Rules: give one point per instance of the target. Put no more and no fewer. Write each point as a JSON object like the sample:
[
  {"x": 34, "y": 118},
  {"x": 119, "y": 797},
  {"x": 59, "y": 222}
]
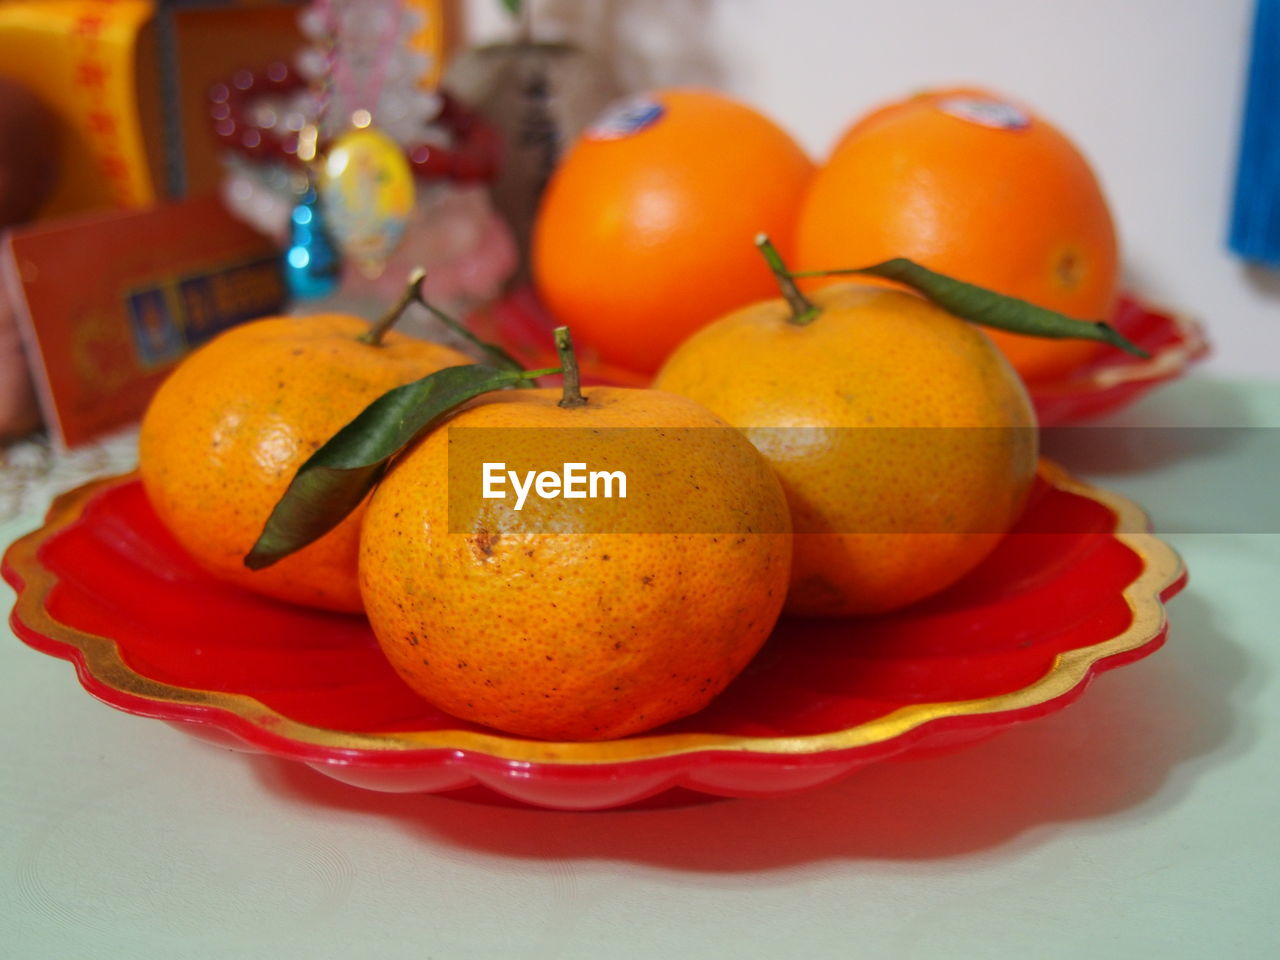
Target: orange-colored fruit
[
  {"x": 982, "y": 189},
  {"x": 644, "y": 237},
  {"x": 231, "y": 425},
  {"x": 577, "y": 619},
  {"x": 904, "y": 440}
]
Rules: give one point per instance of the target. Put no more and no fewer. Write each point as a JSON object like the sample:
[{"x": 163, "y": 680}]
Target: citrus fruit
[
  {"x": 644, "y": 233},
  {"x": 980, "y": 188},
  {"x": 579, "y": 619},
  {"x": 228, "y": 429},
  {"x": 904, "y": 440}
]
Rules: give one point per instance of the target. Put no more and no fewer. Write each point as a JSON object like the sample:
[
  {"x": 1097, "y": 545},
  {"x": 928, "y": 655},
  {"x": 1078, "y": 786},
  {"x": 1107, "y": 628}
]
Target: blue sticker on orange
[
  {"x": 996, "y": 114},
  {"x": 625, "y": 118}
]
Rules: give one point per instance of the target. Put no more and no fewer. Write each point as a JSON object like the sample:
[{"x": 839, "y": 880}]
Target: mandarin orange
[
  {"x": 579, "y": 619},
  {"x": 231, "y": 425},
  {"x": 904, "y": 440}
]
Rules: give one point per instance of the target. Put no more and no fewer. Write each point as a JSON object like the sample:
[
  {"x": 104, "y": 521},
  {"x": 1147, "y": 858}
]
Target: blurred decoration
[
  {"x": 311, "y": 262},
  {"x": 102, "y": 108},
  {"x": 355, "y": 150},
  {"x": 81, "y": 58},
  {"x": 1255, "y": 218},
  {"x": 28, "y": 170},
  {"x": 368, "y": 194},
  {"x": 538, "y": 96},
  {"x": 127, "y": 80},
  {"x": 363, "y": 179},
  {"x": 29, "y": 139}
]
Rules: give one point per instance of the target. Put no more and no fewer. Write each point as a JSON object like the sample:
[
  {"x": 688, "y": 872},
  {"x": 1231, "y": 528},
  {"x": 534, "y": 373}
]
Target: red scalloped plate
[
  {"x": 102, "y": 584},
  {"x": 1113, "y": 379}
]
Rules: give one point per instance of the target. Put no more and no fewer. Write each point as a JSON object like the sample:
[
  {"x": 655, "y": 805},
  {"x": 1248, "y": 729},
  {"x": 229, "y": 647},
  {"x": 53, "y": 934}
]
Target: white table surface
[{"x": 1141, "y": 822}]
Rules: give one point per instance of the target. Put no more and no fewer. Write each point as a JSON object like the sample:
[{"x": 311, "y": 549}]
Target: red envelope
[{"x": 107, "y": 303}]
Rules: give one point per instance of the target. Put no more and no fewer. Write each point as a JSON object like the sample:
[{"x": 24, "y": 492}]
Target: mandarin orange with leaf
[
  {"x": 227, "y": 430},
  {"x": 582, "y": 619},
  {"x": 903, "y": 438}
]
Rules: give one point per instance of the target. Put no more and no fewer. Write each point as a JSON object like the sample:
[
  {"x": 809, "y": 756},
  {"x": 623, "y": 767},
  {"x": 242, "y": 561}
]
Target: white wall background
[{"x": 1150, "y": 89}]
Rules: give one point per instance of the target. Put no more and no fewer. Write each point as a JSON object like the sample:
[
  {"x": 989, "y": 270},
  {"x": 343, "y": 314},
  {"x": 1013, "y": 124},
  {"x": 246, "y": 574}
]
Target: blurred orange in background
[
  {"x": 645, "y": 232},
  {"x": 977, "y": 186}
]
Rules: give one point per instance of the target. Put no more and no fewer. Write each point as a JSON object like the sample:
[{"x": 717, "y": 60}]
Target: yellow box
[{"x": 97, "y": 63}]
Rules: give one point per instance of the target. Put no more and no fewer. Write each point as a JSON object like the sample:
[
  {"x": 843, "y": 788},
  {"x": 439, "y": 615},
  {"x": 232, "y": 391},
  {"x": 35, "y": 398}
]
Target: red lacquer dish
[
  {"x": 1113, "y": 379},
  {"x": 103, "y": 585}
]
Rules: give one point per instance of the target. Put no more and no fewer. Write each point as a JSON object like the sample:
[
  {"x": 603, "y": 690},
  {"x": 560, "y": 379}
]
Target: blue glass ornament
[{"x": 311, "y": 264}]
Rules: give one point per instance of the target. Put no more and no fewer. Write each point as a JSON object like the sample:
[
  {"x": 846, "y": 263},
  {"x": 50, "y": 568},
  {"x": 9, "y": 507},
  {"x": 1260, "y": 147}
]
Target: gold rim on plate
[{"x": 1162, "y": 567}]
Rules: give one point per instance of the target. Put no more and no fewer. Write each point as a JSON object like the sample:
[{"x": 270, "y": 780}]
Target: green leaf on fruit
[
  {"x": 986, "y": 307},
  {"x": 338, "y": 476}
]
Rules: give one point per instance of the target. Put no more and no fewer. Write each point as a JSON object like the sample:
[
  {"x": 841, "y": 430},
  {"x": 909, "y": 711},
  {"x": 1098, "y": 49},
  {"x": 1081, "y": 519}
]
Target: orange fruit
[
  {"x": 904, "y": 440},
  {"x": 577, "y": 619},
  {"x": 977, "y": 187},
  {"x": 644, "y": 233},
  {"x": 230, "y": 426}
]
